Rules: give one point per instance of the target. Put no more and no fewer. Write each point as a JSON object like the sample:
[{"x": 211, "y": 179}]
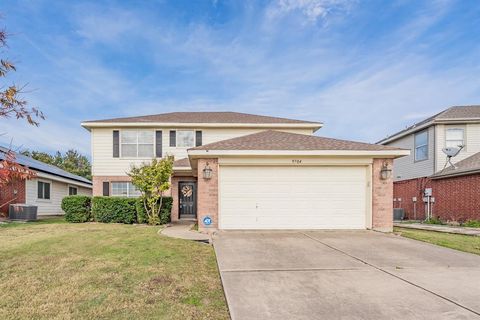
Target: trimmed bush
[
  {"x": 165, "y": 212},
  {"x": 472, "y": 224},
  {"x": 76, "y": 208},
  {"x": 114, "y": 209}
]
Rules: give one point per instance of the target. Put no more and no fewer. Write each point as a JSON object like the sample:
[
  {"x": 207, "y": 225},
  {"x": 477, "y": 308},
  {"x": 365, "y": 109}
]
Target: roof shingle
[
  {"x": 205, "y": 117},
  {"x": 452, "y": 113},
  {"x": 467, "y": 165},
  {"x": 278, "y": 140}
]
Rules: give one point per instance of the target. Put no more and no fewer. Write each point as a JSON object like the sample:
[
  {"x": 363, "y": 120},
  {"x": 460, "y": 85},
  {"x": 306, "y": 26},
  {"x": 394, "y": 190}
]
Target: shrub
[
  {"x": 434, "y": 220},
  {"x": 165, "y": 212},
  {"x": 472, "y": 224},
  {"x": 76, "y": 208},
  {"x": 114, "y": 209}
]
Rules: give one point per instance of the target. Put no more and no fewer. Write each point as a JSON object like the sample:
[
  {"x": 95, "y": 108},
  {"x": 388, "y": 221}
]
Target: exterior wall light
[
  {"x": 207, "y": 172},
  {"x": 385, "y": 172}
]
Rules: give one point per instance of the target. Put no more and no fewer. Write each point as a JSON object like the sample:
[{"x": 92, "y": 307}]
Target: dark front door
[{"x": 187, "y": 195}]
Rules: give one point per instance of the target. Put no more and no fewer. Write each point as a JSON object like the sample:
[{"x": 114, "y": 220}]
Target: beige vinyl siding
[
  {"x": 472, "y": 142},
  {"x": 58, "y": 190},
  {"x": 104, "y": 164},
  {"x": 405, "y": 168}
]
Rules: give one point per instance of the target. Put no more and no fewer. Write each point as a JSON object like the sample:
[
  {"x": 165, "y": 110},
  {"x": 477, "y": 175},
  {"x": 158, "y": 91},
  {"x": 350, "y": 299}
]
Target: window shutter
[
  {"x": 158, "y": 144},
  {"x": 173, "y": 138},
  {"x": 198, "y": 138},
  {"x": 116, "y": 143},
  {"x": 106, "y": 188}
]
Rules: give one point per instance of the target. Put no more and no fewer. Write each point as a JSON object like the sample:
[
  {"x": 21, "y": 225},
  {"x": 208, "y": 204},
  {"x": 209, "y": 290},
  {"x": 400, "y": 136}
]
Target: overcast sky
[{"x": 364, "y": 68}]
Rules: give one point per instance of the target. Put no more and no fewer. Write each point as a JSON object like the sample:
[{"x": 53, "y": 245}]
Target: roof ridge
[{"x": 279, "y": 139}]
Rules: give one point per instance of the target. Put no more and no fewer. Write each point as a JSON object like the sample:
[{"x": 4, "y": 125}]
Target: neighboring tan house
[
  {"x": 455, "y": 191},
  {"x": 242, "y": 171},
  {"x": 46, "y": 190}
]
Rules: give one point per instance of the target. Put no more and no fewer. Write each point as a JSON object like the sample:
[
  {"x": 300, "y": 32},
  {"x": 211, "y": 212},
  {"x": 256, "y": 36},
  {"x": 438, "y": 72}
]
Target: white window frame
[
  {"x": 71, "y": 186},
  {"x": 130, "y": 186},
  {"x": 50, "y": 187},
  {"x": 454, "y": 129},
  {"x": 415, "y": 146},
  {"x": 137, "y": 144},
  {"x": 177, "y": 140}
]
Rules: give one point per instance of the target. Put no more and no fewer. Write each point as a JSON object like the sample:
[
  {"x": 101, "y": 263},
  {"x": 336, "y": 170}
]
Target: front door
[{"x": 187, "y": 195}]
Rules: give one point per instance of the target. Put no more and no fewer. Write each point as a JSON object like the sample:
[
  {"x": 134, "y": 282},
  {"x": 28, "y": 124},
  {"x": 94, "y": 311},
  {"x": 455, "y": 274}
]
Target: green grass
[
  {"x": 460, "y": 242},
  {"x": 54, "y": 270},
  {"x": 42, "y": 220}
]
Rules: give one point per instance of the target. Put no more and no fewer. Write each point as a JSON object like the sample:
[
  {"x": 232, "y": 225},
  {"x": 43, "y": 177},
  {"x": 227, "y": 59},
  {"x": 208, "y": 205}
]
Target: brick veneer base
[
  {"x": 207, "y": 195},
  {"x": 382, "y": 194},
  {"x": 15, "y": 191},
  {"x": 456, "y": 198}
]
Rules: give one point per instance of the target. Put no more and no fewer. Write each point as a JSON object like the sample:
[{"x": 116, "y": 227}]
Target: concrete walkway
[
  {"x": 329, "y": 275},
  {"x": 440, "y": 228},
  {"x": 184, "y": 231}
]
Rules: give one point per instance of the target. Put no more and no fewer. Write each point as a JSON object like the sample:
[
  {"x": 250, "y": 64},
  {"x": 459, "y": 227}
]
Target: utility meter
[{"x": 427, "y": 192}]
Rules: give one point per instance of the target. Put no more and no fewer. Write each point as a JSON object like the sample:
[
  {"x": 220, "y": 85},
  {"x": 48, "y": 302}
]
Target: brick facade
[
  {"x": 14, "y": 192},
  {"x": 456, "y": 198},
  {"x": 207, "y": 195},
  {"x": 174, "y": 192},
  {"x": 382, "y": 195}
]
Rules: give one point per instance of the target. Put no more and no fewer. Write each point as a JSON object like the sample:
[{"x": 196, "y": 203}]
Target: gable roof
[
  {"x": 181, "y": 163},
  {"x": 468, "y": 165},
  {"x": 202, "y": 117},
  {"x": 42, "y": 167},
  {"x": 452, "y": 114},
  {"x": 278, "y": 140}
]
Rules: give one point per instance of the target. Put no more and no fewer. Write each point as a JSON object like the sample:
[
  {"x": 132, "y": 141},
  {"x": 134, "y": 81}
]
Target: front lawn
[
  {"x": 460, "y": 242},
  {"x": 105, "y": 271}
]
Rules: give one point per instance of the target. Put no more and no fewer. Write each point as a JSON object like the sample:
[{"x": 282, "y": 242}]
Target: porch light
[
  {"x": 385, "y": 172},
  {"x": 207, "y": 172}
]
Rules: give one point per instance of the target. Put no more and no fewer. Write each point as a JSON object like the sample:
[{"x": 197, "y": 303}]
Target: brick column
[
  {"x": 382, "y": 197},
  {"x": 207, "y": 195}
]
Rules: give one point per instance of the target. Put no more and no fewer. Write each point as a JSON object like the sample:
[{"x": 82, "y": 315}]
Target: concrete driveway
[{"x": 345, "y": 275}]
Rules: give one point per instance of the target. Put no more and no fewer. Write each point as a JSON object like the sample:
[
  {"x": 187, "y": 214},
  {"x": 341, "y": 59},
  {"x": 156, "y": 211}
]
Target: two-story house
[
  {"x": 455, "y": 189},
  {"x": 241, "y": 171}
]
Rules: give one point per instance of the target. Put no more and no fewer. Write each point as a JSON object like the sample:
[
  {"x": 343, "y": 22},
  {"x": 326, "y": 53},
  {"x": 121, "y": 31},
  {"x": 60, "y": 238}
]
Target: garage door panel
[{"x": 292, "y": 197}]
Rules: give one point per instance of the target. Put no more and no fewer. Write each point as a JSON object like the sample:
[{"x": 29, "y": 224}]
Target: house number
[{"x": 296, "y": 161}]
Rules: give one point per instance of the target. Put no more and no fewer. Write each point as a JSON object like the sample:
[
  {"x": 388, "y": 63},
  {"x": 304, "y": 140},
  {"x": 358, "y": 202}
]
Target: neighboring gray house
[
  {"x": 459, "y": 125},
  {"x": 46, "y": 190}
]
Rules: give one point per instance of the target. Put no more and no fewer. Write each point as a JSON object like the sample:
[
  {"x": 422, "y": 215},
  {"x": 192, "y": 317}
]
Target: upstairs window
[
  {"x": 137, "y": 143},
  {"x": 185, "y": 139},
  {"x": 454, "y": 137},
  {"x": 421, "y": 146},
  {"x": 124, "y": 189},
  {"x": 43, "y": 190}
]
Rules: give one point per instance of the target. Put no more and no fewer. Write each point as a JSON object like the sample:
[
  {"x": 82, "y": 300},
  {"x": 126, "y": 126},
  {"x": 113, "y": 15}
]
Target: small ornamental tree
[{"x": 152, "y": 180}]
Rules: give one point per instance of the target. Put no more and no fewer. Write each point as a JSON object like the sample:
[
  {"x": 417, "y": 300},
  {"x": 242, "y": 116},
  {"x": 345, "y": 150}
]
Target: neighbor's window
[
  {"x": 124, "y": 189},
  {"x": 43, "y": 190},
  {"x": 72, "y": 191},
  {"x": 137, "y": 143},
  {"x": 185, "y": 139},
  {"x": 454, "y": 137},
  {"x": 421, "y": 146}
]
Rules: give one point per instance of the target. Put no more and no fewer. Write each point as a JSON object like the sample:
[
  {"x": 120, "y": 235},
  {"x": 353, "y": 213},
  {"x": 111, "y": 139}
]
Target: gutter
[
  {"x": 366, "y": 153},
  {"x": 88, "y": 125}
]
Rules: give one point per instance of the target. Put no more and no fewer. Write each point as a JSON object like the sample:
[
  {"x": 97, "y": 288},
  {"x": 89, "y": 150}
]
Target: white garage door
[{"x": 292, "y": 197}]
